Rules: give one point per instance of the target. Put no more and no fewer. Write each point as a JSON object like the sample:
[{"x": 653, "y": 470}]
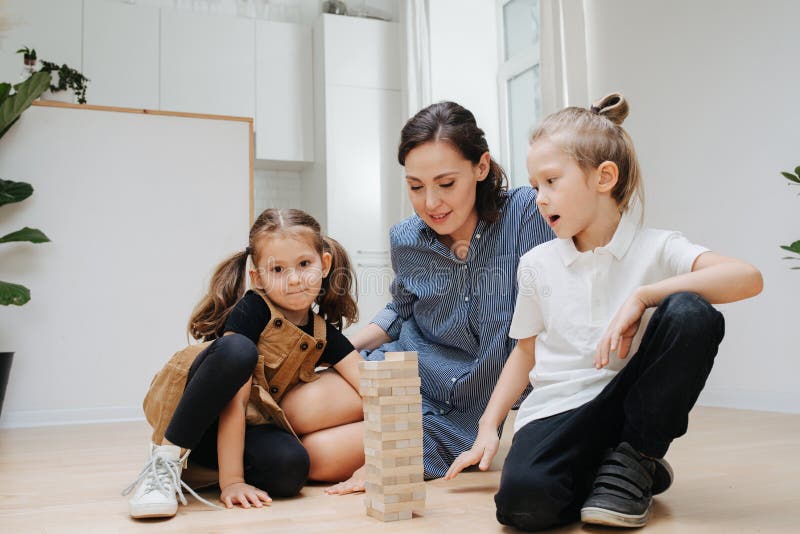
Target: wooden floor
[{"x": 736, "y": 471}]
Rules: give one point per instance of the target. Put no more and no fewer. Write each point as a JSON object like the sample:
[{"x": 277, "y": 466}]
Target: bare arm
[
  {"x": 510, "y": 385},
  {"x": 230, "y": 454},
  {"x": 348, "y": 368},
  {"x": 716, "y": 278},
  {"x": 370, "y": 337}
]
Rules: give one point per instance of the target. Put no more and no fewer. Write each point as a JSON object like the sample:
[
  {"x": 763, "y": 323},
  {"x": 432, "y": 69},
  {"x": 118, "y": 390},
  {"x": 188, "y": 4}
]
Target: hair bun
[{"x": 613, "y": 106}]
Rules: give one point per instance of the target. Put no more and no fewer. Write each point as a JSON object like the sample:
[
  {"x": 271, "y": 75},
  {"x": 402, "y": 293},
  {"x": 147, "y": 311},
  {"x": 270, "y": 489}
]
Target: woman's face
[{"x": 441, "y": 186}]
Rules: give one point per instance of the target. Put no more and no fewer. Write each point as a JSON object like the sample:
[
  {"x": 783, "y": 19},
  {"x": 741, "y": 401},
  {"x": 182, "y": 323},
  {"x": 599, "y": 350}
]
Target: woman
[{"x": 455, "y": 267}]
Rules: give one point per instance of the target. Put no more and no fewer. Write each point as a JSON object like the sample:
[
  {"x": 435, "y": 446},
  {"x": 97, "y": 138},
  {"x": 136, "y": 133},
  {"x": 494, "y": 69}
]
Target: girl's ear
[
  {"x": 255, "y": 280},
  {"x": 483, "y": 166},
  {"x": 608, "y": 175},
  {"x": 327, "y": 259}
]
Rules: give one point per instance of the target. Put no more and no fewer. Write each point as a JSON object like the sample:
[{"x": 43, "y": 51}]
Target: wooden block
[
  {"x": 367, "y": 367},
  {"x": 413, "y": 453},
  {"x": 404, "y": 514},
  {"x": 396, "y": 489},
  {"x": 408, "y": 356},
  {"x": 391, "y": 426},
  {"x": 379, "y": 473},
  {"x": 399, "y": 506},
  {"x": 383, "y": 516},
  {"x": 401, "y": 399},
  {"x": 400, "y": 435}
]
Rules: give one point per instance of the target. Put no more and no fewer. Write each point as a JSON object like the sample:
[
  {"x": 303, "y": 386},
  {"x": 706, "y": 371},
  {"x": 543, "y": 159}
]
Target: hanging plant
[{"x": 68, "y": 78}]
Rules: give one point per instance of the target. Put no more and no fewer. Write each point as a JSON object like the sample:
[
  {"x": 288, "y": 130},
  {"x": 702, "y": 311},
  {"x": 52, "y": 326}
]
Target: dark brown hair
[
  {"x": 335, "y": 303},
  {"x": 594, "y": 135},
  {"x": 448, "y": 121}
]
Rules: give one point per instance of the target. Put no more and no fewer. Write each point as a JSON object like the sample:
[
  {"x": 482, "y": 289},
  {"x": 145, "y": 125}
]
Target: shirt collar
[{"x": 618, "y": 246}]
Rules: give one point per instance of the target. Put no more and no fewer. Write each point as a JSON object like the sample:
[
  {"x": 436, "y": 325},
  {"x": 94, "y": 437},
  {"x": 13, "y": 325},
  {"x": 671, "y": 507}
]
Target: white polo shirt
[{"x": 567, "y": 299}]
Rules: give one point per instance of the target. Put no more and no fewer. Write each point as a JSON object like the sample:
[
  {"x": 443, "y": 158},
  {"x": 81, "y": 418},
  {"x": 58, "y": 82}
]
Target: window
[{"x": 520, "y": 82}]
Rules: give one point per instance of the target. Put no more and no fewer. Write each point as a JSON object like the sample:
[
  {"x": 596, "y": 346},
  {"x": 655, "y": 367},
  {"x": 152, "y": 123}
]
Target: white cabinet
[
  {"x": 284, "y": 92},
  {"x": 353, "y": 186},
  {"x": 52, "y": 28},
  {"x": 207, "y": 64},
  {"x": 362, "y": 52},
  {"x": 120, "y": 54}
]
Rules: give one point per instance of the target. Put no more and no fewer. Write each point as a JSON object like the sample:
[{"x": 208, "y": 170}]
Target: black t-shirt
[{"x": 251, "y": 314}]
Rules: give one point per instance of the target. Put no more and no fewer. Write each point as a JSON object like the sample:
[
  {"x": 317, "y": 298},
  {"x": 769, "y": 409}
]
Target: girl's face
[
  {"x": 566, "y": 197},
  {"x": 441, "y": 186},
  {"x": 290, "y": 271}
]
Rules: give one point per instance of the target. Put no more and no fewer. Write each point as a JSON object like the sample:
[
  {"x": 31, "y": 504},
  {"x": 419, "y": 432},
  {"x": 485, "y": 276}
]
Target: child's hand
[
  {"x": 243, "y": 494},
  {"x": 483, "y": 450},
  {"x": 620, "y": 332}
]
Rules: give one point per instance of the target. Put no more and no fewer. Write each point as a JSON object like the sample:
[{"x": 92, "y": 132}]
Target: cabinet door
[
  {"x": 362, "y": 52},
  {"x": 121, "y": 54},
  {"x": 284, "y": 92},
  {"x": 52, "y": 28},
  {"x": 207, "y": 64},
  {"x": 363, "y": 177}
]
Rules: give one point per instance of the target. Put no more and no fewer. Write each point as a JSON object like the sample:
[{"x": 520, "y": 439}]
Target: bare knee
[{"x": 327, "y": 402}]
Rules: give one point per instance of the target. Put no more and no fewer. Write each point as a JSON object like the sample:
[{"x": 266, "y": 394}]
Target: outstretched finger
[
  {"x": 464, "y": 460},
  {"x": 486, "y": 459}
]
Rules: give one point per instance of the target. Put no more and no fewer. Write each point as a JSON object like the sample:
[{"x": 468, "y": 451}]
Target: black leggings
[
  {"x": 550, "y": 467},
  {"x": 274, "y": 460}
]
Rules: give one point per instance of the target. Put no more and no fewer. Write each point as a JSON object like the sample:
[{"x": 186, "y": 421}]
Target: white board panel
[{"x": 139, "y": 208}]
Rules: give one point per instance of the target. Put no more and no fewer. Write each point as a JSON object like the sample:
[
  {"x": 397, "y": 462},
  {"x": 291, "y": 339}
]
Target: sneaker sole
[
  {"x": 601, "y": 516},
  {"x": 145, "y": 511},
  {"x": 663, "y": 477}
]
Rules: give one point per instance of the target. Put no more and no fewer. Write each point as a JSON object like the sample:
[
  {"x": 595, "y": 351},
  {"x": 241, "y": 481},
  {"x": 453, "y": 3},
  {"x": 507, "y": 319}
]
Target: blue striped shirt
[{"x": 456, "y": 314}]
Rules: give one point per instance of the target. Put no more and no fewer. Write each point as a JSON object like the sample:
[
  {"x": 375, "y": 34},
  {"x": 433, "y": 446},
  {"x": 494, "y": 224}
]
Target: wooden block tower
[{"x": 393, "y": 436}]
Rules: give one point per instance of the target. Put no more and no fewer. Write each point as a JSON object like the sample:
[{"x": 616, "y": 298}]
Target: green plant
[
  {"x": 28, "y": 54},
  {"x": 68, "y": 78},
  {"x": 794, "y": 179},
  {"x": 11, "y": 107}
]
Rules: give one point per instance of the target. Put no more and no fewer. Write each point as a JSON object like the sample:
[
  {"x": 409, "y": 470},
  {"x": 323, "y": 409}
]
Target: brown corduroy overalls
[{"x": 286, "y": 356}]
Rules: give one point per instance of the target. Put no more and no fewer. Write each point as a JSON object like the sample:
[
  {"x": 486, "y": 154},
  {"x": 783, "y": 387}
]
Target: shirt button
[
  {"x": 441, "y": 412},
  {"x": 453, "y": 380},
  {"x": 477, "y": 236},
  {"x": 447, "y": 403},
  {"x": 320, "y": 344},
  {"x": 466, "y": 299},
  {"x": 273, "y": 389},
  {"x": 303, "y": 346},
  {"x": 476, "y": 360},
  {"x": 464, "y": 266},
  {"x": 278, "y": 323}
]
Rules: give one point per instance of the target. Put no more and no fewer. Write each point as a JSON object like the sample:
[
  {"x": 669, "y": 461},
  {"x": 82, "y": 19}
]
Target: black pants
[
  {"x": 550, "y": 467},
  {"x": 274, "y": 460}
]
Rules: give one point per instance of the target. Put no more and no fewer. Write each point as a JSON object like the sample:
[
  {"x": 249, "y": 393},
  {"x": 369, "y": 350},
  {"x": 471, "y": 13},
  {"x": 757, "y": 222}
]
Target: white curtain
[
  {"x": 418, "y": 68},
  {"x": 563, "y": 55}
]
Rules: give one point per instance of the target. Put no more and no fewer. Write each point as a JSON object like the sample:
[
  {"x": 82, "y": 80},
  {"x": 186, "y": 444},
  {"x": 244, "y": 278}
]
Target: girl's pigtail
[
  {"x": 336, "y": 299},
  {"x": 227, "y": 287}
]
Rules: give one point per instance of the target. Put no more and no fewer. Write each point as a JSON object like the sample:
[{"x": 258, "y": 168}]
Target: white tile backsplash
[{"x": 277, "y": 189}]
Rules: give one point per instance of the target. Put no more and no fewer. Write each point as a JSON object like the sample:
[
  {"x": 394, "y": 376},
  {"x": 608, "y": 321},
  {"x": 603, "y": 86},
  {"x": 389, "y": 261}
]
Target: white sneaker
[{"x": 159, "y": 485}]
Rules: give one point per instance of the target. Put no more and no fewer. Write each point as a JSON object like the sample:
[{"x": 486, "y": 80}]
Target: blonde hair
[
  {"x": 592, "y": 136},
  {"x": 336, "y": 302}
]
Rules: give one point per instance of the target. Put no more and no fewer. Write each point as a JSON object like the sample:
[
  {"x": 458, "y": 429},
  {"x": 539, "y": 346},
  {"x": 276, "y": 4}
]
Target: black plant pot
[{"x": 5, "y": 369}]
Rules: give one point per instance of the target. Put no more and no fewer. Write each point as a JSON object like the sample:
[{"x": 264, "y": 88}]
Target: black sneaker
[
  {"x": 622, "y": 494},
  {"x": 663, "y": 477}
]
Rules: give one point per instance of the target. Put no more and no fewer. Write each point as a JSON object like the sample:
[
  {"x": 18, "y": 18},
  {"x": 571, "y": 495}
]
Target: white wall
[
  {"x": 464, "y": 59},
  {"x": 139, "y": 208},
  {"x": 713, "y": 88}
]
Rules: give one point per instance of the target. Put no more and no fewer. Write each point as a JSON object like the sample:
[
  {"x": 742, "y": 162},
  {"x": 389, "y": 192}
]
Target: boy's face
[{"x": 564, "y": 196}]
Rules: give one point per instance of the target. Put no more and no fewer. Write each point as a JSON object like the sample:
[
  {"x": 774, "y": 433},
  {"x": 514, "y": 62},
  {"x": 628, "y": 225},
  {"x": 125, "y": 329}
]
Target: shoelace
[{"x": 163, "y": 475}]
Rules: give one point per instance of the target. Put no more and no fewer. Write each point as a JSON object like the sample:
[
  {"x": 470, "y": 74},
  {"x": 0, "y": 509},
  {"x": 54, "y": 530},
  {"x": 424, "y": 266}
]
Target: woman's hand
[
  {"x": 483, "y": 450},
  {"x": 243, "y": 494},
  {"x": 620, "y": 332}
]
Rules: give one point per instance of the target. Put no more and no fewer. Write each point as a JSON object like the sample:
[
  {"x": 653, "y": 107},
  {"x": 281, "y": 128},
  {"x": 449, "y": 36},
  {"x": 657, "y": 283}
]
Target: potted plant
[
  {"x": 794, "y": 179},
  {"x": 68, "y": 78},
  {"x": 11, "y": 107}
]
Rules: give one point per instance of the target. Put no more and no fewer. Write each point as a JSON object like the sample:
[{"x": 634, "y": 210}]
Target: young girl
[
  {"x": 591, "y": 436},
  {"x": 221, "y": 403}
]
